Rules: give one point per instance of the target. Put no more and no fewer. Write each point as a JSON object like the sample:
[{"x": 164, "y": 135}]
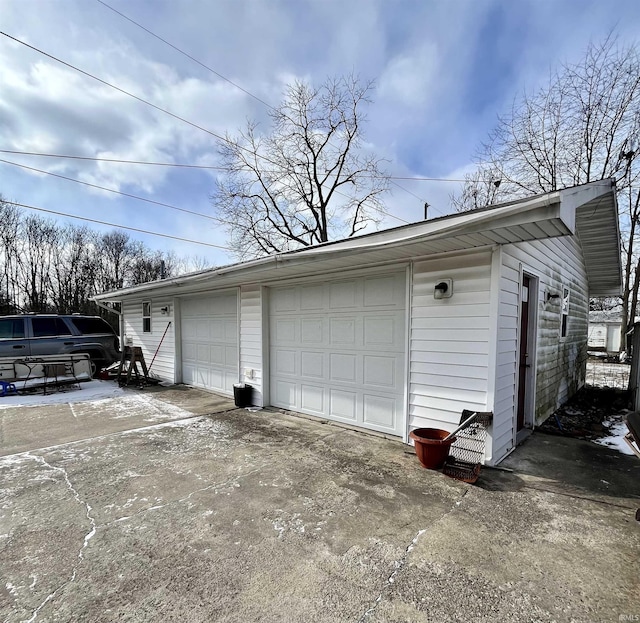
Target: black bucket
[{"x": 243, "y": 395}]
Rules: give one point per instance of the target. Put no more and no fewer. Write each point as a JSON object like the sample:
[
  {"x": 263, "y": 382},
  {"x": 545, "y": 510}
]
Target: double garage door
[
  {"x": 209, "y": 326},
  {"x": 337, "y": 350}
]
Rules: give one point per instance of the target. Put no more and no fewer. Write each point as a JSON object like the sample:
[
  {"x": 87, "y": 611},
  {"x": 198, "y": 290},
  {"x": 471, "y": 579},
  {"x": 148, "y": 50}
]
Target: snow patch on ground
[
  {"x": 605, "y": 374},
  {"x": 91, "y": 390},
  {"x": 615, "y": 440}
]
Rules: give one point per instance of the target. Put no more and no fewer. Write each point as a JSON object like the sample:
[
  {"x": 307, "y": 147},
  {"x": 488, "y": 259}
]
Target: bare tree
[
  {"x": 582, "y": 127},
  {"x": 308, "y": 180},
  {"x": 191, "y": 263},
  {"x": 147, "y": 265},
  {"x": 116, "y": 251},
  {"x": 46, "y": 267},
  {"x": 11, "y": 219},
  {"x": 73, "y": 272},
  {"x": 481, "y": 189},
  {"x": 39, "y": 237}
]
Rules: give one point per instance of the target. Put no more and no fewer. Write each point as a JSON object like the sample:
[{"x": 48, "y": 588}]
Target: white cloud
[
  {"x": 426, "y": 119},
  {"x": 57, "y": 110},
  {"x": 408, "y": 79}
]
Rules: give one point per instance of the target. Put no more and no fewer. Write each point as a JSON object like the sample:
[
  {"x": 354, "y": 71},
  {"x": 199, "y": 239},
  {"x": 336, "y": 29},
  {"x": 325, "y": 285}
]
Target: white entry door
[
  {"x": 338, "y": 350},
  {"x": 210, "y": 341}
]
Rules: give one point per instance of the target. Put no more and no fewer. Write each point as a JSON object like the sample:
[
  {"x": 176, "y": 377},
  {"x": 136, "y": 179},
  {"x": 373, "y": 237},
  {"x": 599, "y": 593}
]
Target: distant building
[{"x": 605, "y": 328}]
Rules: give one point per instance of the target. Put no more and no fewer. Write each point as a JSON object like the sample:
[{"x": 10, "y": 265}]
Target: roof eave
[
  {"x": 544, "y": 216},
  {"x": 598, "y": 230}
]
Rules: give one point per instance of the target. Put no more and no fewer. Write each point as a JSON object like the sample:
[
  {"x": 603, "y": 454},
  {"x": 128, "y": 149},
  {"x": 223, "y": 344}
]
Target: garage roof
[{"x": 588, "y": 211}]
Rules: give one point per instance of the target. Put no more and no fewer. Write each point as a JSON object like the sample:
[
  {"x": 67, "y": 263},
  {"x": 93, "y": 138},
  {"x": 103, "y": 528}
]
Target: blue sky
[{"x": 444, "y": 71}]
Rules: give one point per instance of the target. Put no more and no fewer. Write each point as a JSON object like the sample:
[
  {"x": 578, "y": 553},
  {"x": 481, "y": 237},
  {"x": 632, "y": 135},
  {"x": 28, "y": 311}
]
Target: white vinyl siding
[
  {"x": 560, "y": 363},
  {"x": 251, "y": 339},
  {"x": 164, "y": 364},
  {"x": 506, "y": 358},
  {"x": 605, "y": 336},
  {"x": 449, "y": 340}
]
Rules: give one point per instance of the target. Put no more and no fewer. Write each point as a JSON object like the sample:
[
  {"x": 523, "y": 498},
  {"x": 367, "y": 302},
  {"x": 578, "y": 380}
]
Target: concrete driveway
[{"x": 190, "y": 510}]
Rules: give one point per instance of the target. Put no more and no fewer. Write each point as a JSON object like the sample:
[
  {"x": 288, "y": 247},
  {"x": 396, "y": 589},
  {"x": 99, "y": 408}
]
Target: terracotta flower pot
[{"x": 431, "y": 450}]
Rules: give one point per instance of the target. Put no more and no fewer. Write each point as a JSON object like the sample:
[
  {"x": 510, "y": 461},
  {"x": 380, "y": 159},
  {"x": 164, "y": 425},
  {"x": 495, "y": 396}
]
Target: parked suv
[{"x": 31, "y": 335}]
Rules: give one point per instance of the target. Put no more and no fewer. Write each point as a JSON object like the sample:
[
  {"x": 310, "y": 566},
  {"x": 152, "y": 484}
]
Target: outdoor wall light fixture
[
  {"x": 551, "y": 297},
  {"x": 443, "y": 289},
  {"x": 164, "y": 310}
]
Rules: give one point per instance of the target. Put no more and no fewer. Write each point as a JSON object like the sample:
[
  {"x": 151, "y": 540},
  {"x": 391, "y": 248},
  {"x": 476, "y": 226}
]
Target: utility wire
[
  {"x": 164, "y": 110},
  {"x": 115, "y": 160},
  {"x": 118, "y": 192},
  {"x": 213, "y": 71},
  {"x": 210, "y": 69},
  {"x": 417, "y": 197},
  {"x": 199, "y": 166},
  {"x": 426, "y": 179},
  {"x": 113, "y": 190},
  {"x": 195, "y": 60},
  {"x": 407, "y": 191},
  {"x": 123, "y": 91},
  {"x": 141, "y": 231}
]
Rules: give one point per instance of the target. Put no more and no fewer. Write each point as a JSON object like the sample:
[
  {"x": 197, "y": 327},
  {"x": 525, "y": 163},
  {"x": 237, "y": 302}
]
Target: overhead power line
[
  {"x": 113, "y": 190},
  {"x": 119, "y": 89},
  {"x": 406, "y": 190},
  {"x": 194, "y": 166},
  {"x": 210, "y": 69},
  {"x": 160, "y": 109},
  {"x": 195, "y": 60},
  {"x": 137, "y": 197},
  {"x": 115, "y": 160},
  {"x": 117, "y": 192},
  {"x": 141, "y": 231}
]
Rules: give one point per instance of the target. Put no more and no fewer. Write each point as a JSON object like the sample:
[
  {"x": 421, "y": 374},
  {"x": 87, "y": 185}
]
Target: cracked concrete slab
[
  {"x": 27, "y": 428},
  {"x": 237, "y": 516}
]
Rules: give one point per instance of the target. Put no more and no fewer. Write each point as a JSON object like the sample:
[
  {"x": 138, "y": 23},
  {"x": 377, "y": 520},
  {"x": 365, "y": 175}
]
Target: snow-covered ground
[
  {"x": 614, "y": 375},
  {"x": 91, "y": 390},
  {"x": 616, "y": 439},
  {"x": 603, "y": 374},
  {"x": 102, "y": 390}
]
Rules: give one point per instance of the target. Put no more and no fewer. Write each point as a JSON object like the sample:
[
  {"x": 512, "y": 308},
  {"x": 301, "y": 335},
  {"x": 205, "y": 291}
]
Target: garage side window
[
  {"x": 565, "y": 312},
  {"x": 146, "y": 317}
]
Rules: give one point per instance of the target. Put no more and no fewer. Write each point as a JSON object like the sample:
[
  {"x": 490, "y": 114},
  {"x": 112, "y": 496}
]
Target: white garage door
[
  {"x": 210, "y": 342},
  {"x": 338, "y": 350}
]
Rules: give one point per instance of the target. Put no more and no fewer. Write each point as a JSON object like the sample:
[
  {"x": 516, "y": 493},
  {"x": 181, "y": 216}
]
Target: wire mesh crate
[{"x": 467, "y": 451}]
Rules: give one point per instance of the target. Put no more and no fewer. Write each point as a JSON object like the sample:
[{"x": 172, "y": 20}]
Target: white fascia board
[
  {"x": 433, "y": 230},
  {"x": 573, "y": 198},
  {"x": 544, "y": 208},
  {"x": 176, "y": 282},
  {"x": 548, "y": 206}
]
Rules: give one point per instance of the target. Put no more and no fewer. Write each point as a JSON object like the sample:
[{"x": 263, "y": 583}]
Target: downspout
[{"x": 120, "y": 318}]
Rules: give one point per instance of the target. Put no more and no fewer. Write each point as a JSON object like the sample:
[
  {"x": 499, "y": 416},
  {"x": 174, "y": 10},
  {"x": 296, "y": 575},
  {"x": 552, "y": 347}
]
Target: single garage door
[
  {"x": 337, "y": 350},
  {"x": 210, "y": 341}
]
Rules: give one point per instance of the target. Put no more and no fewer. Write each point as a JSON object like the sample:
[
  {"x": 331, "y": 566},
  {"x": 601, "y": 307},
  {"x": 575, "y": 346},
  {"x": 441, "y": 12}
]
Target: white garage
[
  {"x": 361, "y": 330},
  {"x": 337, "y": 350},
  {"x": 209, "y": 329}
]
